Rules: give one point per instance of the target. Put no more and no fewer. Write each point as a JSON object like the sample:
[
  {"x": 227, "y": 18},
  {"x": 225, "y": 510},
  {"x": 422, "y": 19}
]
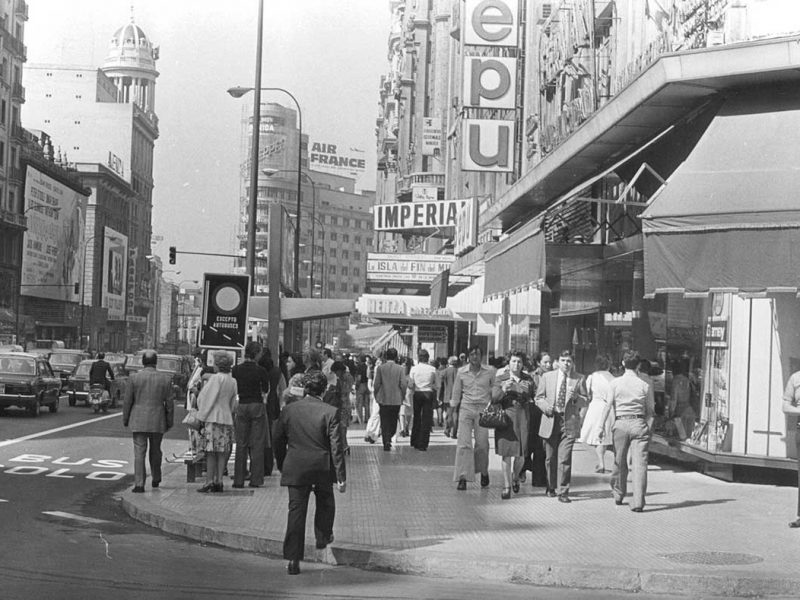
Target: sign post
[{"x": 225, "y": 305}]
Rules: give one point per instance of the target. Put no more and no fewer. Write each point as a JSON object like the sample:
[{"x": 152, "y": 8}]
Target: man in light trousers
[
  {"x": 472, "y": 391},
  {"x": 634, "y": 406}
]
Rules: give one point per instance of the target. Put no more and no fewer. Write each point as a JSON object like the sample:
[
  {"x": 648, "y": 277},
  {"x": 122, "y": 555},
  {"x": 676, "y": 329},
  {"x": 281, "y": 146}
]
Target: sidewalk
[{"x": 401, "y": 512}]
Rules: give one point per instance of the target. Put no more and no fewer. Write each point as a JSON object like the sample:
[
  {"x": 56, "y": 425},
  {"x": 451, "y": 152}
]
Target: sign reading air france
[
  {"x": 489, "y": 82},
  {"x": 416, "y": 215},
  {"x": 225, "y": 303}
]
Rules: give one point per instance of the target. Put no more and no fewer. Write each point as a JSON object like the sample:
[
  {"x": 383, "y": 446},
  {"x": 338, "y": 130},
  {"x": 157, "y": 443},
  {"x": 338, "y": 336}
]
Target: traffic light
[{"x": 172, "y": 252}]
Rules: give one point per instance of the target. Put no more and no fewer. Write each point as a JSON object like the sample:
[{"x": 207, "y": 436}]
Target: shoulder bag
[{"x": 494, "y": 417}]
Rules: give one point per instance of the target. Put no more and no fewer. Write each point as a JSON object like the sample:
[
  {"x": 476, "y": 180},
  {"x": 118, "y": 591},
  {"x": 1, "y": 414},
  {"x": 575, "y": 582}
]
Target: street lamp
[
  {"x": 238, "y": 92},
  {"x": 275, "y": 233}
]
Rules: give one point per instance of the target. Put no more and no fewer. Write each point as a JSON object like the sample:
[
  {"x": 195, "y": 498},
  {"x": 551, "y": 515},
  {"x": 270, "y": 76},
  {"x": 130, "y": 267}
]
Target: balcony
[
  {"x": 22, "y": 9},
  {"x": 421, "y": 179},
  {"x": 13, "y": 45},
  {"x": 17, "y": 131},
  {"x": 16, "y": 173},
  {"x": 18, "y": 92},
  {"x": 14, "y": 219}
]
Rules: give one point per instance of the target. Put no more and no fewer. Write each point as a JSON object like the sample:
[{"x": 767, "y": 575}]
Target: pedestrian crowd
[{"x": 294, "y": 416}]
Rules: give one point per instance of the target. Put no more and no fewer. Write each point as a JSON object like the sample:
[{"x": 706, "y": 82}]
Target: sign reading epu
[{"x": 226, "y": 299}]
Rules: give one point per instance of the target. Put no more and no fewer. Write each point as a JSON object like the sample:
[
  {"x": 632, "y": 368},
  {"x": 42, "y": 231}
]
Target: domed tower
[{"x": 131, "y": 65}]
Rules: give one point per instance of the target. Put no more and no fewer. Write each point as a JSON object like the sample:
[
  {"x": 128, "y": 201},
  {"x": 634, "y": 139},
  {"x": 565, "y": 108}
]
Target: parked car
[
  {"x": 63, "y": 363},
  {"x": 11, "y": 348},
  {"x": 28, "y": 382},
  {"x": 79, "y": 383}
]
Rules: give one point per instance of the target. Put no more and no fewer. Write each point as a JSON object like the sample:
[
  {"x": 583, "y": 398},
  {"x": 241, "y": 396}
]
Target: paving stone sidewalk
[{"x": 401, "y": 512}]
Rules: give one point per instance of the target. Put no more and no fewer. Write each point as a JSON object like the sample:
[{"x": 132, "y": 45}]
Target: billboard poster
[
  {"x": 115, "y": 273},
  {"x": 409, "y": 268},
  {"x": 338, "y": 159},
  {"x": 52, "y": 257},
  {"x": 416, "y": 215}
]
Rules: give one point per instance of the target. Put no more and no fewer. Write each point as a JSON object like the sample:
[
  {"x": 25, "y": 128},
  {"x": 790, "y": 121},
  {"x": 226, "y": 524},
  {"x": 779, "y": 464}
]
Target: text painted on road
[{"x": 34, "y": 464}]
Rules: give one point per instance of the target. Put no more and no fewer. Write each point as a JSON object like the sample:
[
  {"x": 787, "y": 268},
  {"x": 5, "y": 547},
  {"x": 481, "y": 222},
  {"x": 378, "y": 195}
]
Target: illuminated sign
[{"x": 415, "y": 215}]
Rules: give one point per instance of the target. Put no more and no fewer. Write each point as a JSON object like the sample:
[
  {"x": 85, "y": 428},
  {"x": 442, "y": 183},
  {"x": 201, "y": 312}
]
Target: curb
[{"x": 421, "y": 563}]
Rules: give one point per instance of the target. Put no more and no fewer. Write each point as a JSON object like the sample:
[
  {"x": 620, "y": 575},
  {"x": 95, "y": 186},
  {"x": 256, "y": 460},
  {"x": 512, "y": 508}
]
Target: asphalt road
[{"x": 63, "y": 534}]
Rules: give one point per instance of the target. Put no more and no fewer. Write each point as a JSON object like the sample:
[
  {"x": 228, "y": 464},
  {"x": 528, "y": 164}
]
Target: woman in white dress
[{"x": 599, "y": 390}]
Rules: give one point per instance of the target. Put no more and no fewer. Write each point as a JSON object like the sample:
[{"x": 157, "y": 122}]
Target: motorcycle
[{"x": 99, "y": 398}]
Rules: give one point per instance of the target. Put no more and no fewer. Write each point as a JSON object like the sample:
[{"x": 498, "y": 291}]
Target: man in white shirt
[{"x": 422, "y": 379}]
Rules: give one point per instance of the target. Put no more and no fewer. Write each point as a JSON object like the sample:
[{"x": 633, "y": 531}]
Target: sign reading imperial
[{"x": 416, "y": 215}]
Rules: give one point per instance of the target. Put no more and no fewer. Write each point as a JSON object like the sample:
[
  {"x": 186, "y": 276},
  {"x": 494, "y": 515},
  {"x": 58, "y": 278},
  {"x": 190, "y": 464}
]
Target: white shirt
[{"x": 424, "y": 377}]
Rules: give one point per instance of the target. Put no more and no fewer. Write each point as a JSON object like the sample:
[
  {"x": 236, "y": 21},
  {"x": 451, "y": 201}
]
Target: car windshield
[
  {"x": 83, "y": 370},
  {"x": 65, "y": 358},
  {"x": 17, "y": 365}
]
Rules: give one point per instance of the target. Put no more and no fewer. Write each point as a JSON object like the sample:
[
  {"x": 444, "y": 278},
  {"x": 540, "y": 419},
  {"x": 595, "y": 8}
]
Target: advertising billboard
[
  {"x": 491, "y": 22},
  {"x": 338, "y": 159},
  {"x": 408, "y": 268},
  {"x": 466, "y": 227},
  {"x": 52, "y": 257},
  {"x": 431, "y": 136},
  {"x": 488, "y": 145},
  {"x": 115, "y": 273}
]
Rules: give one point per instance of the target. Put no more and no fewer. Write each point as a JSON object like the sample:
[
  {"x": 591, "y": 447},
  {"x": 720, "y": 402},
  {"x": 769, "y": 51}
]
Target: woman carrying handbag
[
  {"x": 513, "y": 390},
  {"x": 216, "y": 405}
]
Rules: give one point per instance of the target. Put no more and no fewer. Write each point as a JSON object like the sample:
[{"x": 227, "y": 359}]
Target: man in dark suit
[
  {"x": 148, "y": 409},
  {"x": 310, "y": 455},
  {"x": 562, "y": 398},
  {"x": 389, "y": 387}
]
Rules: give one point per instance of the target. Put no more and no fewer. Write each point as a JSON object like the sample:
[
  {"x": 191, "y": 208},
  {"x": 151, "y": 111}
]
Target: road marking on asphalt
[
  {"x": 57, "y": 429},
  {"x": 64, "y": 515},
  {"x": 1, "y": 500}
]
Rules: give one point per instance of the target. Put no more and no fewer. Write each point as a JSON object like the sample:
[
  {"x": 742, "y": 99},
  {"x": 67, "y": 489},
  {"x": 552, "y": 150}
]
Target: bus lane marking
[
  {"x": 57, "y": 430},
  {"x": 70, "y": 516}
]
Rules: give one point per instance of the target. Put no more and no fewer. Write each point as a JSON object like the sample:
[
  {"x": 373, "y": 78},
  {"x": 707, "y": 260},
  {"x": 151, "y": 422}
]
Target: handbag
[
  {"x": 494, "y": 417},
  {"x": 191, "y": 420}
]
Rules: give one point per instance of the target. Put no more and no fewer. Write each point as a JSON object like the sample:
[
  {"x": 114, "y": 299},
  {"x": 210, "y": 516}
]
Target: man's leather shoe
[
  {"x": 138, "y": 489},
  {"x": 387, "y": 447},
  {"x": 637, "y": 509},
  {"x": 618, "y": 502},
  {"x": 155, "y": 484},
  {"x": 484, "y": 481},
  {"x": 369, "y": 439},
  {"x": 209, "y": 487},
  {"x": 323, "y": 543},
  {"x": 293, "y": 567},
  {"x": 795, "y": 524},
  {"x": 462, "y": 485},
  {"x": 564, "y": 498},
  {"x": 218, "y": 488},
  {"x": 237, "y": 485},
  {"x": 550, "y": 493},
  {"x": 515, "y": 486}
]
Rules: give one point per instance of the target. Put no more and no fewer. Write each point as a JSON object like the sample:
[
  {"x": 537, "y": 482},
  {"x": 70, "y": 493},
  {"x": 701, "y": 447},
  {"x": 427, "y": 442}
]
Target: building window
[
  {"x": 356, "y": 288},
  {"x": 357, "y": 254},
  {"x": 343, "y": 287},
  {"x": 333, "y": 252},
  {"x": 356, "y": 272},
  {"x": 345, "y": 254},
  {"x": 333, "y": 236},
  {"x": 3, "y": 110},
  {"x": 332, "y": 270},
  {"x": 345, "y": 271},
  {"x": 345, "y": 222},
  {"x": 357, "y": 239},
  {"x": 369, "y": 242},
  {"x": 345, "y": 237},
  {"x": 331, "y": 285}
]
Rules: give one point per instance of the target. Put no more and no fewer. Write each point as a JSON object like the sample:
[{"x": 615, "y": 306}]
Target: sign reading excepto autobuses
[{"x": 225, "y": 303}]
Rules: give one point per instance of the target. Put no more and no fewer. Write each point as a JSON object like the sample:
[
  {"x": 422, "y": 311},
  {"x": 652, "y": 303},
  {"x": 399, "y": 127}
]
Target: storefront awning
[
  {"x": 300, "y": 309},
  {"x": 729, "y": 217},
  {"x": 516, "y": 263}
]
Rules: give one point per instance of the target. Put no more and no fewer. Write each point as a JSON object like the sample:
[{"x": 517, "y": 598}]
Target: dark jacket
[
  {"x": 97, "y": 373},
  {"x": 308, "y": 445},
  {"x": 252, "y": 381}
]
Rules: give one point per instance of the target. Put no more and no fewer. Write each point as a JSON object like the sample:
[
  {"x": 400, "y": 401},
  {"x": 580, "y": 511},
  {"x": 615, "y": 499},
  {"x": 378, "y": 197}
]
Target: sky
[{"x": 329, "y": 55}]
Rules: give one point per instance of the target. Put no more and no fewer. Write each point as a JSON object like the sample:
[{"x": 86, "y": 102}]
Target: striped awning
[{"x": 516, "y": 263}]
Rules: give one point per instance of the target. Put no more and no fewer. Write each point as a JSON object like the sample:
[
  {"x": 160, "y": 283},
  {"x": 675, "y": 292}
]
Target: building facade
[
  {"x": 629, "y": 163},
  {"x": 13, "y": 221},
  {"x": 73, "y": 104}
]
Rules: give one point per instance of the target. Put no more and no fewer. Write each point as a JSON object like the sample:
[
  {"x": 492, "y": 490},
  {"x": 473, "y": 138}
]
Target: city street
[{"x": 66, "y": 537}]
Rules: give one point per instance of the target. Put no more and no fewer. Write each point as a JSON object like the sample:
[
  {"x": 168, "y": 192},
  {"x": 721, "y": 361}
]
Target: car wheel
[
  {"x": 33, "y": 410},
  {"x": 72, "y": 400}
]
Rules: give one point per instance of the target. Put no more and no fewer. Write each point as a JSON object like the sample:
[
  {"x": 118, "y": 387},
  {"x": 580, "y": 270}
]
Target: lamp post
[
  {"x": 238, "y": 92},
  {"x": 275, "y": 233}
]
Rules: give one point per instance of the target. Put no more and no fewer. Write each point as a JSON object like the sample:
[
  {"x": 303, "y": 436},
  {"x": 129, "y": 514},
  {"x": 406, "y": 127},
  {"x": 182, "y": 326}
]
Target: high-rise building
[
  {"x": 335, "y": 220},
  {"x": 13, "y": 16},
  {"x": 106, "y": 122}
]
